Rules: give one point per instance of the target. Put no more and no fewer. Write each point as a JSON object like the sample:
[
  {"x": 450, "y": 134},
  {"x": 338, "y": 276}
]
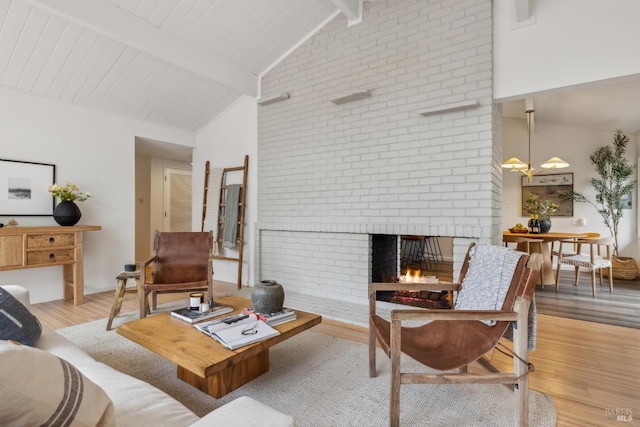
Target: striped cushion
[{"x": 40, "y": 389}]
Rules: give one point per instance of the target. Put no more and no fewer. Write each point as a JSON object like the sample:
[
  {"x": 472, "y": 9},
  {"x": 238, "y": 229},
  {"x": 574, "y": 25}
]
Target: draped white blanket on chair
[{"x": 487, "y": 281}]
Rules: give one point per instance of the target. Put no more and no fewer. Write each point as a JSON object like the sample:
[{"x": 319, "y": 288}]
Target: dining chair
[
  {"x": 592, "y": 254},
  {"x": 567, "y": 250}
]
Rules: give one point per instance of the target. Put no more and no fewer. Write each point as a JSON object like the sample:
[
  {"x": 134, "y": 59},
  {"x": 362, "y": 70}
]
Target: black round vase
[
  {"x": 67, "y": 213},
  {"x": 267, "y": 297},
  {"x": 545, "y": 225}
]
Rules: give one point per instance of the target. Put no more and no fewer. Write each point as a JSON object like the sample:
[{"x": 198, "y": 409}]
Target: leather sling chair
[
  {"x": 182, "y": 262},
  {"x": 455, "y": 338}
]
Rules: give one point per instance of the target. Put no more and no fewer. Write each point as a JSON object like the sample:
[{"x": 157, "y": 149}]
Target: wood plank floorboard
[
  {"x": 621, "y": 308},
  {"x": 587, "y": 368}
]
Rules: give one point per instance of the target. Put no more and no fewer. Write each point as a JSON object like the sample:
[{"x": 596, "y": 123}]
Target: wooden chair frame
[
  {"x": 598, "y": 248},
  {"x": 519, "y": 317},
  {"x": 147, "y": 282}
]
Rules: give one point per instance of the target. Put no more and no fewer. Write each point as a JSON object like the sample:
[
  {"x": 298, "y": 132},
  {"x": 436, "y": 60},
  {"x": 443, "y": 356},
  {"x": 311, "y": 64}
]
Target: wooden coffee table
[{"x": 202, "y": 361}]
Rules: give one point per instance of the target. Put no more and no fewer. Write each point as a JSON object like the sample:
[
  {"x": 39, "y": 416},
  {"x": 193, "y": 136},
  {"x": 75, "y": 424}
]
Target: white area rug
[{"x": 321, "y": 381}]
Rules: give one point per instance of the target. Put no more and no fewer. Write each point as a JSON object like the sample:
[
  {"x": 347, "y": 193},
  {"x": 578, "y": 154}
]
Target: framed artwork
[
  {"x": 626, "y": 201},
  {"x": 24, "y": 188},
  {"x": 549, "y": 187}
]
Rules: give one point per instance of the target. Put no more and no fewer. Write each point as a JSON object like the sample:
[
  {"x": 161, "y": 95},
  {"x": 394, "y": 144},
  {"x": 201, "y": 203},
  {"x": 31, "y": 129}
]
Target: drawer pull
[
  {"x": 52, "y": 256},
  {"x": 52, "y": 239}
]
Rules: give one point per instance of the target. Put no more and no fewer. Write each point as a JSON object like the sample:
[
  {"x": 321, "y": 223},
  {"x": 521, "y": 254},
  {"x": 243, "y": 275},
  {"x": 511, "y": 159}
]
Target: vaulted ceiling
[
  {"x": 183, "y": 62},
  {"x": 175, "y": 62}
]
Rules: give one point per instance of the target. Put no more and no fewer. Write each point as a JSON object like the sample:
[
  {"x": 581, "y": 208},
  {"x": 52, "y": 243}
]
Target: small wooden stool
[{"x": 121, "y": 288}]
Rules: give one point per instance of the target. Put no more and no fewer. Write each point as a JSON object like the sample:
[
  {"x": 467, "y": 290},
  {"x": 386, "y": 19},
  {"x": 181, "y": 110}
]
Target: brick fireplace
[{"x": 332, "y": 176}]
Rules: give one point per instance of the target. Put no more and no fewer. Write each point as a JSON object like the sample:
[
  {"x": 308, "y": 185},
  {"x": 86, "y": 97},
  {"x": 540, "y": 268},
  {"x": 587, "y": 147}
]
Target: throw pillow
[
  {"x": 16, "y": 321},
  {"x": 40, "y": 389}
]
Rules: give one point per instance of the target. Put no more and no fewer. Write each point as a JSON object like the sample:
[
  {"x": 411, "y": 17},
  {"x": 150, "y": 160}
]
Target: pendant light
[{"x": 516, "y": 165}]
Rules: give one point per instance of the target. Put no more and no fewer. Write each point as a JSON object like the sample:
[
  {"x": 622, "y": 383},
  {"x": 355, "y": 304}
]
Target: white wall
[
  {"x": 225, "y": 142},
  {"x": 94, "y": 150},
  {"x": 569, "y": 42},
  {"x": 143, "y": 249},
  {"x": 574, "y": 145}
]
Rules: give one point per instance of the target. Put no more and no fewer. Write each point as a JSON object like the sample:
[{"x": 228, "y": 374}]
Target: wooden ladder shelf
[{"x": 222, "y": 206}]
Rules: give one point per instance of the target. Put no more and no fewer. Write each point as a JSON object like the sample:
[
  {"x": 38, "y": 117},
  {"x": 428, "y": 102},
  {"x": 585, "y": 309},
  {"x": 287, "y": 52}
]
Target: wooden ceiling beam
[{"x": 352, "y": 9}]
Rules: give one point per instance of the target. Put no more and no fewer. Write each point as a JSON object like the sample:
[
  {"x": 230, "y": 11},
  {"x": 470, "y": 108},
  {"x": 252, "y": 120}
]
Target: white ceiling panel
[
  {"x": 85, "y": 70},
  {"x": 176, "y": 62},
  {"x": 40, "y": 54},
  {"x": 31, "y": 34},
  {"x": 108, "y": 70},
  {"x": 14, "y": 20},
  {"x": 252, "y": 34},
  {"x": 183, "y": 62},
  {"x": 72, "y": 63},
  {"x": 57, "y": 58}
]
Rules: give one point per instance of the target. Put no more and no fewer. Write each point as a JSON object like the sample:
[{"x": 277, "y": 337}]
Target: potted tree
[
  {"x": 542, "y": 209},
  {"x": 616, "y": 179}
]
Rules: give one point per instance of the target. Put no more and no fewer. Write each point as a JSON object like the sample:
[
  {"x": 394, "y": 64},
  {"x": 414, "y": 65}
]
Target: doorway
[
  {"x": 176, "y": 200},
  {"x": 153, "y": 158}
]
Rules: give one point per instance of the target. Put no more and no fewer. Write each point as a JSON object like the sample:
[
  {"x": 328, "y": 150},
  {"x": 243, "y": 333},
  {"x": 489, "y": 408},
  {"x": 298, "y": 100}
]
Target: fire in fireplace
[{"x": 386, "y": 268}]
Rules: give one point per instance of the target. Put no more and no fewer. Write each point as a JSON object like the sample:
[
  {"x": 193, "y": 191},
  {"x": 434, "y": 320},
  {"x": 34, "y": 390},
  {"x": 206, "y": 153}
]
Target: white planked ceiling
[
  {"x": 182, "y": 62},
  {"x": 173, "y": 62}
]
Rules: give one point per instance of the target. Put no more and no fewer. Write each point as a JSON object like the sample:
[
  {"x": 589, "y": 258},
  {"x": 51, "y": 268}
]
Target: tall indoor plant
[{"x": 616, "y": 179}]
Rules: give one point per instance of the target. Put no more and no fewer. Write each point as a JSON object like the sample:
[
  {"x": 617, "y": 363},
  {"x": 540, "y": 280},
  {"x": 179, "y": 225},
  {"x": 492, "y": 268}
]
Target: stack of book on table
[
  {"x": 284, "y": 315},
  {"x": 237, "y": 330},
  {"x": 193, "y": 316}
]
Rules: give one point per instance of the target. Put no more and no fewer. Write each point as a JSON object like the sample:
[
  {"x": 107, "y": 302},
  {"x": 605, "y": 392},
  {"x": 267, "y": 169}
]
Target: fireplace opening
[{"x": 396, "y": 259}]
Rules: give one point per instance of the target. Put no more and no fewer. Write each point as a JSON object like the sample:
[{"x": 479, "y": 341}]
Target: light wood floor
[{"x": 587, "y": 368}]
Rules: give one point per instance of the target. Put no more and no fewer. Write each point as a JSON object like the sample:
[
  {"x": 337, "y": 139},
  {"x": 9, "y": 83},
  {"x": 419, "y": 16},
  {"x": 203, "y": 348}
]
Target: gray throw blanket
[
  {"x": 230, "y": 229},
  {"x": 487, "y": 281},
  {"x": 488, "y": 278},
  {"x": 532, "y": 329}
]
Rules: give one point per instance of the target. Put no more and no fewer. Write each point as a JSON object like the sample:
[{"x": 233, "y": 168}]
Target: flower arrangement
[
  {"x": 69, "y": 193},
  {"x": 534, "y": 206}
]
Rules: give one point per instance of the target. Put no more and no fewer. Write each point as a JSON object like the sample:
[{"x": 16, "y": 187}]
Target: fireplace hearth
[{"x": 423, "y": 299}]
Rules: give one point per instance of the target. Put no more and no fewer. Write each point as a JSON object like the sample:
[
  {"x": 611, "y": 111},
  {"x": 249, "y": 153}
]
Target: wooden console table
[{"x": 32, "y": 247}]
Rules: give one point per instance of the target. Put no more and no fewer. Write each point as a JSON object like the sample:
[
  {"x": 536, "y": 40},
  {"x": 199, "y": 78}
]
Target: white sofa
[{"x": 138, "y": 403}]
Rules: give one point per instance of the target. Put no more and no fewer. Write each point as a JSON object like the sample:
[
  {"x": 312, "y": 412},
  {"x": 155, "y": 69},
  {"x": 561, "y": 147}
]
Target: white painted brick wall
[
  {"x": 329, "y": 175},
  {"x": 317, "y": 264}
]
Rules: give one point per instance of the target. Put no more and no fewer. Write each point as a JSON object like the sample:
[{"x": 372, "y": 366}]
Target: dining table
[{"x": 544, "y": 248}]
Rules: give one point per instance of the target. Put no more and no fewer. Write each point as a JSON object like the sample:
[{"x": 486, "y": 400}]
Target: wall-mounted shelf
[
  {"x": 456, "y": 106},
  {"x": 279, "y": 98},
  {"x": 356, "y": 96}
]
